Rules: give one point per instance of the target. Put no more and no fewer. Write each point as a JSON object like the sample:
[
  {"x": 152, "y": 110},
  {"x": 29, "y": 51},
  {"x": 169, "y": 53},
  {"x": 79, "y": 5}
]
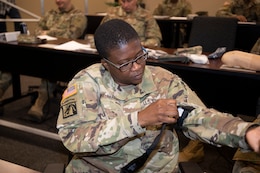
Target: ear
[{"x": 104, "y": 63}]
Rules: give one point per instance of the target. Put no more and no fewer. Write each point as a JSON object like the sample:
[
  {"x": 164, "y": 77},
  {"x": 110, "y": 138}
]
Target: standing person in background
[
  {"x": 113, "y": 112},
  {"x": 7, "y": 10},
  {"x": 243, "y": 10},
  {"x": 140, "y": 19},
  {"x": 178, "y": 8},
  {"x": 65, "y": 22}
]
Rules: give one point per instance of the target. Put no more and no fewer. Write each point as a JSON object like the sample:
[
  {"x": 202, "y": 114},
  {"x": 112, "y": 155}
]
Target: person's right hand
[
  {"x": 241, "y": 18},
  {"x": 159, "y": 112}
]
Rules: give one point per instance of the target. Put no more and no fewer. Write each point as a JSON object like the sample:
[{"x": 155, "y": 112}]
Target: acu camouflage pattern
[
  {"x": 99, "y": 118},
  {"x": 142, "y": 21},
  {"x": 69, "y": 24},
  {"x": 181, "y": 9},
  {"x": 238, "y": 7}
]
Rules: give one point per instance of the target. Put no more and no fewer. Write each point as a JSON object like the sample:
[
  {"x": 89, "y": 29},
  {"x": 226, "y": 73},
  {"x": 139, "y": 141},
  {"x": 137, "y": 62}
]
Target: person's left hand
[{"x": 253, "y": 138}]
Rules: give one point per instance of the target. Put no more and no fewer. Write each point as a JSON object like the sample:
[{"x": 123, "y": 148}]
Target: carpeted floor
[{"x": 30, "y": 147}]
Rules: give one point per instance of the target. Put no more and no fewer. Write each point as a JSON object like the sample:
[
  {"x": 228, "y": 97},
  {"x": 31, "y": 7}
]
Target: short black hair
[{"x": 113, "y": 34}]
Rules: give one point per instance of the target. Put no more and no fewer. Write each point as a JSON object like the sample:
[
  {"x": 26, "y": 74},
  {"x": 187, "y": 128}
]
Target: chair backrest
[{"x": 213, "y": 32}]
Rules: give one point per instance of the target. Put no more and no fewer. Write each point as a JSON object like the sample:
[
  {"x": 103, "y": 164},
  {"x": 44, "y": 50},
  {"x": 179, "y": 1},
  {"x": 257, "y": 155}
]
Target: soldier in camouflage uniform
[
  {"x": 140, "y": 19},
  {"x": 243, "y": 10},
  {"x": 112, "y": 111},
  {"x": 179, "y": 8},
  {"x": 64, "y": 22}
]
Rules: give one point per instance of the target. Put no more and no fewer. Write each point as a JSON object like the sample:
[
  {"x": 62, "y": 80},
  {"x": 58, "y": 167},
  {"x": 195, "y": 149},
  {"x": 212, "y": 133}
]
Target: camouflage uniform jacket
[
  {"x": 238, "y": 7},
  {"x": 180, "y": 9},
  {"x": 142, "y": 21},
  {"x": 70, "y": 24},
  {"x": 99, "y": 118}
]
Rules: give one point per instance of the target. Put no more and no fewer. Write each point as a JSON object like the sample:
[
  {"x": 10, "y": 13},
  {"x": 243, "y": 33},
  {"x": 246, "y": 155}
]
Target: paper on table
[
  {"x": 178, "y": 18},
  {"x": 47, "y": 37},
  {"x": 160, "y": 17},
  {"x": 73, "y": 46}
]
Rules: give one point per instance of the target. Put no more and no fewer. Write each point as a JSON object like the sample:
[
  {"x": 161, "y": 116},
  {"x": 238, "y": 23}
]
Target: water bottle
[{"x": 23, "y": 28}]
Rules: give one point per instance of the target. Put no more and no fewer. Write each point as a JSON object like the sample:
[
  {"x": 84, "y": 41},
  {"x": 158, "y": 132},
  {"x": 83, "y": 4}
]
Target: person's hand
[
  {"x": 241, "y": 18},
  {"x": 44, "y": 32},
  {"x": 253, "y": 138},
  {"x": 159, "y": 112}
]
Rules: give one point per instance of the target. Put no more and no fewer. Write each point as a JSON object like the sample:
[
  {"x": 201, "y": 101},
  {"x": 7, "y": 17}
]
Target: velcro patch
[{"x": 69, "y": 92}]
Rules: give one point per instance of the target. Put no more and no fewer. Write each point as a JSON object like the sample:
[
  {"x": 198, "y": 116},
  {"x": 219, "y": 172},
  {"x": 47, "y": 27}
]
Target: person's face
[
  {"x": 128, "y": 5},
  {"x": 122, "y": 55},
  {"x": 63, "y": 5}
]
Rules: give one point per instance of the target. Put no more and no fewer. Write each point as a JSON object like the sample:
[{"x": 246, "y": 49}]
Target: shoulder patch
[
  {"x": 69, "y": 92},
  {"x": 69, "y": 109}
]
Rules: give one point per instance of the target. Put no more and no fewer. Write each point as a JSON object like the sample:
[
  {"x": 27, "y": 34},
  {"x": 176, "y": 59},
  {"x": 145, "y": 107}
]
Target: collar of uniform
[{"x": 132, "y": 91}]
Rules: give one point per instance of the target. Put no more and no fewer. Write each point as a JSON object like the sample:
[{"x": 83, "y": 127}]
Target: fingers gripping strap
[
  {"x": 137, "y": 163},
  {"x": 183, "y": 113}
]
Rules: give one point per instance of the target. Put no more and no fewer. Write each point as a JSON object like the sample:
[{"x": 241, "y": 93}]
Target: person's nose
[
  {"x": 124, "y": 4},
  {"x": 136, "y": 66}
]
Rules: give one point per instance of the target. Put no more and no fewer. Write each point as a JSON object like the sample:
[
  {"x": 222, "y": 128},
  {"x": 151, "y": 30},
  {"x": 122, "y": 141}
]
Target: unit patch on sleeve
[{"x": 69, "y": 109}]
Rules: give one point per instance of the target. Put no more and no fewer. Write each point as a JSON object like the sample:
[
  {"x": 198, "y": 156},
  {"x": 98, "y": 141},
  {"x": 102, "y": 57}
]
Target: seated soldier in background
[
  {"x": 140, "y": 19},
  {"x": 243, "y": 10},
  {"x": 178, "y": 8},
  {"x": 65, "y": 22}
]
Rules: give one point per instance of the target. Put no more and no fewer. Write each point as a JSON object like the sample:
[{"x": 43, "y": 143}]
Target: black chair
[{"x": 213, "y": 32}]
